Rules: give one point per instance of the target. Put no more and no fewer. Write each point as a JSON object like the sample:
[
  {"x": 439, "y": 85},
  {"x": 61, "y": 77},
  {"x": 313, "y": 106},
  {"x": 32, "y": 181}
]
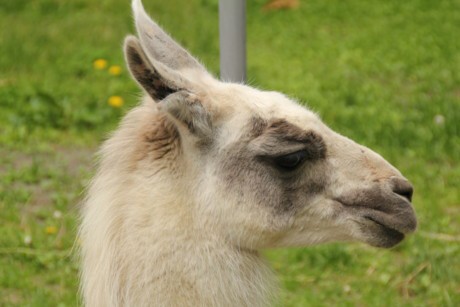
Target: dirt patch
[
  {"x": 71, "y": 160},
  {"x": 11, "y": 296},
  {"x": 38, "y": 180}
]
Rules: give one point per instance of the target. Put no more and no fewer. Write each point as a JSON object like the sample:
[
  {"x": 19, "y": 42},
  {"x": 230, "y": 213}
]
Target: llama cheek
[{"x": 251, "y": 185}]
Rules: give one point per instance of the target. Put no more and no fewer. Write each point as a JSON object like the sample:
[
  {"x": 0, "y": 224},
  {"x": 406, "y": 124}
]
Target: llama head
[{"x": 258, "y": 168}]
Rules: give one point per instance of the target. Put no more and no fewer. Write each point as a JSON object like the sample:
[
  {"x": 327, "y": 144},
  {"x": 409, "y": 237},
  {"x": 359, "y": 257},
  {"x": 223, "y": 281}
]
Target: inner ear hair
[
  {"x": 153, "y": 78},
  {"x": 186, "y": 108}
]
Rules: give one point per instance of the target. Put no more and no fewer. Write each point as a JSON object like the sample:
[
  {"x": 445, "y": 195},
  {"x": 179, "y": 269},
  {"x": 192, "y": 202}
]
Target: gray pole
[{"x": 232, "y": 31}]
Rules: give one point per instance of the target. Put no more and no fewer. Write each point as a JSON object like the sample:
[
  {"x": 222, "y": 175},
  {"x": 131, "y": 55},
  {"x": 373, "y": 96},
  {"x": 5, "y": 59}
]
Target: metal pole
[{"x": 232, "y": 31}]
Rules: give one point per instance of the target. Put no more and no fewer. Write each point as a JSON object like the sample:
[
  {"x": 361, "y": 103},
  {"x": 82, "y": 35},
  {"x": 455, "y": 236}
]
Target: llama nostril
[{"x": 403, "y": 188}]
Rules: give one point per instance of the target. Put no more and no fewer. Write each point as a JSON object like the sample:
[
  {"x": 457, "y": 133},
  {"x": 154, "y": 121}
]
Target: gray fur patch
[{"x": 256, "y": 181}]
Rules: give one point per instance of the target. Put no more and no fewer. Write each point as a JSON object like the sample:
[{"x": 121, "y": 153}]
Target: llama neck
[{"x": 195, "y": 270}]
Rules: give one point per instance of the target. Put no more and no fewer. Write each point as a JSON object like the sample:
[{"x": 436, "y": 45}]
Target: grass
[{"x": 384, "y": 73}]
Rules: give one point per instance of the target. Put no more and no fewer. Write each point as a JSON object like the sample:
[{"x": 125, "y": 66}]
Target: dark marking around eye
[
  {"x": 287, "y": 131},
  {"x": 279, "y": 133},
  {"x": 316, "y": 146},
  {"x": 258, "y": 125},
  {"x": 248, "y": 167}
]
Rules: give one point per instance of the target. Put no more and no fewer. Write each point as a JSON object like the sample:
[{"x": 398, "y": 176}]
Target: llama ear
[
  {"x": 159, "y": 45},
  {"x": 158, "y": 80},
  {"x": 188, "y": 111}
]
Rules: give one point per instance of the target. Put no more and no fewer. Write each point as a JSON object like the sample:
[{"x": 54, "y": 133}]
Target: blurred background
[{"x": 384, "y": 73}]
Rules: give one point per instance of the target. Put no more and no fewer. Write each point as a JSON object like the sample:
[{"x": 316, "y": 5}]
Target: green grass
[{"x": 380, "y": 72}]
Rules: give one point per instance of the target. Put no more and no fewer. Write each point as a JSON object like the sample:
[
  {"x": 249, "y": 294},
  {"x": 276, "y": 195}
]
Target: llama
[{"x": 204, "y": 174}]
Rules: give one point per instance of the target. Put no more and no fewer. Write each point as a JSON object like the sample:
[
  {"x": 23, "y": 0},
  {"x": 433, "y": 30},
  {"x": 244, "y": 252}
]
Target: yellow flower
[
  {"x": 115, "y": 70},
  {"x": 115, "y": 101},
  {"x": 100, "y": 64},
  {"x": 50, "y": 230}
]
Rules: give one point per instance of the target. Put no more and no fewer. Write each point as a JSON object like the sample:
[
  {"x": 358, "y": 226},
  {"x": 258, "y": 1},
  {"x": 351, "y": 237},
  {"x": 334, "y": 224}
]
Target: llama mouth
[
  {"x": 385, "y": 235},
  {"x": 383, "y": 223},
  {"x": 388, "y": 228}
]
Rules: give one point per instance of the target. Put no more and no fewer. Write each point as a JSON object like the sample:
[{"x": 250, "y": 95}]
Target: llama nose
[{"x": 402, "y": 187}]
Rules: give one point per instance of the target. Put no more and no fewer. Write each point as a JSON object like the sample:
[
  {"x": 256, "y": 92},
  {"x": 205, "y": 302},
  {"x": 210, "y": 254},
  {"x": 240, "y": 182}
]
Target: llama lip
[
  {"x": 389, "y": 235},
  {"x": 390, "y": 229}
]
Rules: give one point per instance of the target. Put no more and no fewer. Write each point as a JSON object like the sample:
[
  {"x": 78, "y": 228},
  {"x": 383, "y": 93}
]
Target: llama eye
[{"x": 291, "y": 161}]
